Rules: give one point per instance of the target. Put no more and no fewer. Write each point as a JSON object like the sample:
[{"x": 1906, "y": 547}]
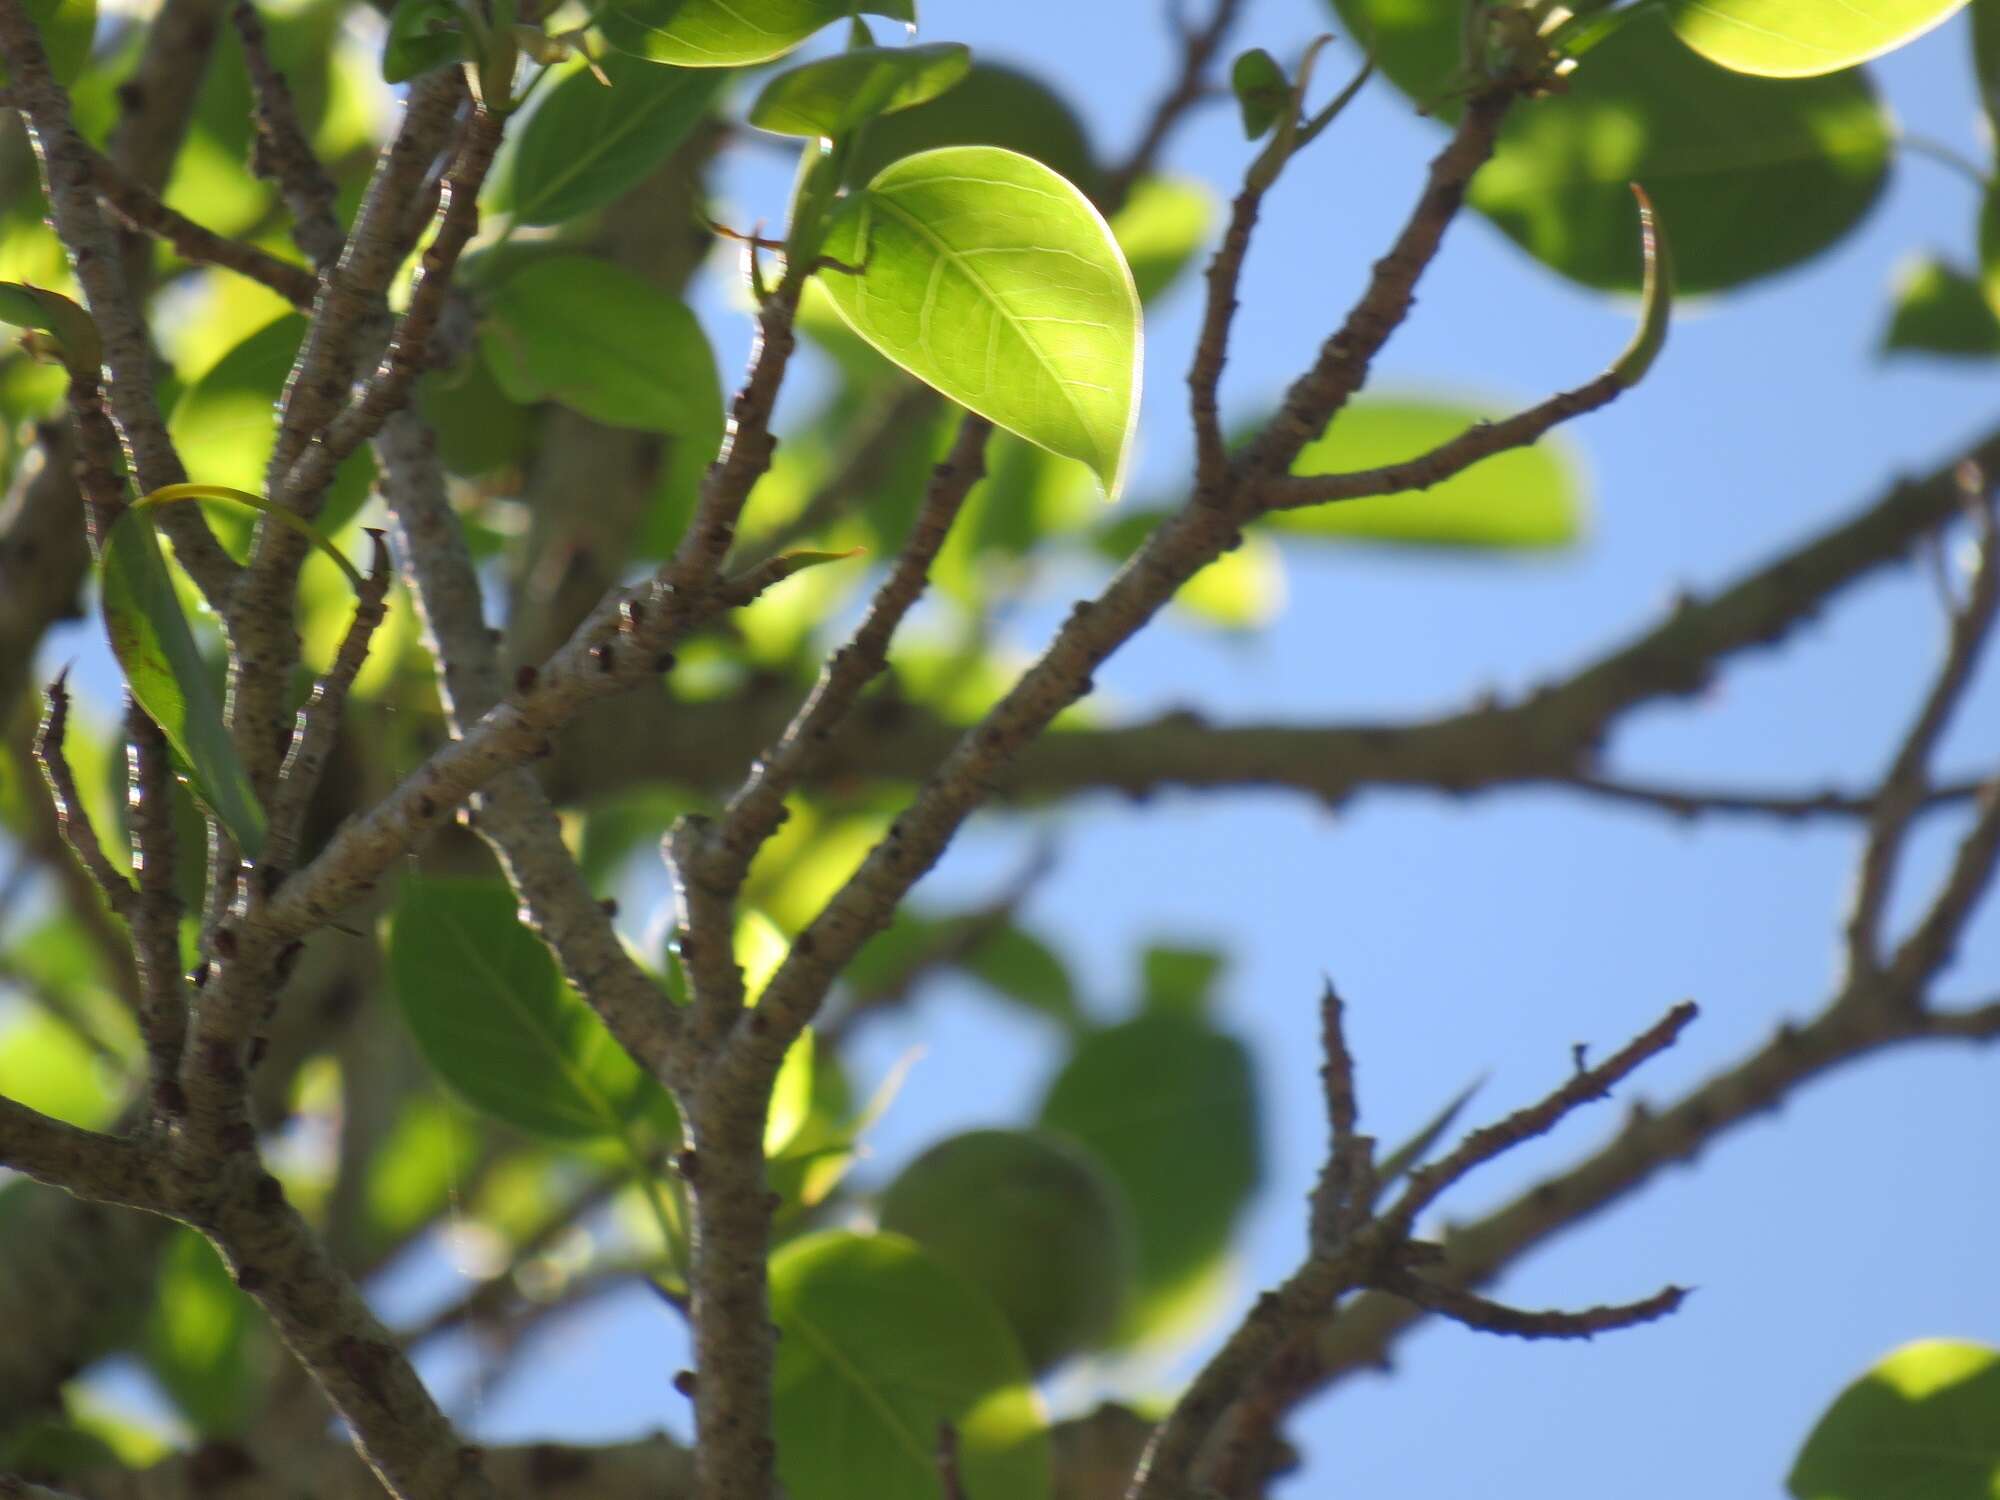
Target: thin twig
[
  {"x": 72, "y": 818},
  {"x": 284, "y": 154},
  {"x": 1487, "y": 1316},
  {"x": 1199, "y": 46}
]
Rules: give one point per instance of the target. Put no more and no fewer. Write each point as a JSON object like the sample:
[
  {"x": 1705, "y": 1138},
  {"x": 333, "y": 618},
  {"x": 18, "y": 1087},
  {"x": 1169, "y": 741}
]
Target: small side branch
[
  {"x": 72, "y": 819},
  {"x": 1487, "y": 1316},
  {"x": 284, "y": 154},
  {"x": 81, "y": 1162}
]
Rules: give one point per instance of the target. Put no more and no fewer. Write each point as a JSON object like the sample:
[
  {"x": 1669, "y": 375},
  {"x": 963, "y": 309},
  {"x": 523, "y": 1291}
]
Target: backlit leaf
[
  {"x": 1802, "y": 38},
  {"x": 881, "y": 1345},
  {"x": 994, "y": 281},
  {"x": 1939, "y": 309},
  {"x": 991, "y": 106},
  {"x": 728, "y": 33}
]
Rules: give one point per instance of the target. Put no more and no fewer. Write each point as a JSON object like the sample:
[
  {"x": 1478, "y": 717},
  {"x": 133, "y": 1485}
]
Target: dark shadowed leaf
[
  {"x": 1752, "y": 175},
  {"x": 1026, "y": 970},
  {"x": 1263, "y": 93},
  {"x": 492, "y": 1016},
  {"x": 993, "y": 280},
  {"x": 1179, "y": 980},
  {"x": 1801, "y": 38},
  {"x": 882, "y": 1344},
  {"x": 151, "y": 639},
  {"x": 1169, "y": 1104},
  {"x": 1924, "y": 1424},
  {"x": 603, "y": 342},
  {"x": 423, "y": 34},
  {"x": 588, "y": 144},
  {"x": 1986, "y": 56},
  {"x": 990, "y": 106},
  {"x": 728, "y": 33},
  {"x": 1526, "y": 498},
  {"x": 833, "y": 95},
  {"x": 1939, "y": 309}
]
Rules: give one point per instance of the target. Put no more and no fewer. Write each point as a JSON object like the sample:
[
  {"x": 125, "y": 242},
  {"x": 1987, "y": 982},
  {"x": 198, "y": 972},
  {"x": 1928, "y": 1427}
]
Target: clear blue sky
[{"x": 1488, "y": 936}]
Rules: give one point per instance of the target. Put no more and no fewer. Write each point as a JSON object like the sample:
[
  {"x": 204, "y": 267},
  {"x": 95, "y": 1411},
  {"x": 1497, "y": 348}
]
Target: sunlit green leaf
[
  {"x": 492, "y": 1016},
  {"x": 1989, "y": 248},
  {"x": 1243, "y": 589},
  {"x": 881, "y": 1345},
  {"x": 195, "y": 1342},
  {"x": 993, "y": 280},
  {"x": 728, "y": 33},
  {"x": 991, "y": 106},
  {"x": 833, "y": 95},
  {"x": 153, "y": 643},
  {"x": 1169, "y": 1105},
  {"x": 1939, "y": 309},
  {"x": 46, "y": 1066},
  {"x": 1924, "y": 1424},
  {"x": 1801, "y": 38},
  {"x": 586, "y": 144},
  {"x": 1161, "y": 227},
  {"x": 72, "y": 328},
  {"x": 1526, "y": 497},
  {"x": 603, "y": 342}
]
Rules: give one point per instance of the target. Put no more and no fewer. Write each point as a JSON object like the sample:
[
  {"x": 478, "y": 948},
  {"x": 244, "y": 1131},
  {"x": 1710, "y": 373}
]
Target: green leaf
[
  {"x": 1753, "y": 175},
  {"x": 222, "y": 420},
  {"x": 1989, "y": 248},
  {"x": 1161, "y": 228},
  {"x": 1169, "y": 1104},
  {"x": 46, "y": 1066},
  {"x": 587, "y": 145},
  {"x": 1179, "y": 981},
  {"x": 1986, "y": 56},
  {"x": 729, "y": 33},
  {"x": 1241, "y": 590},
  {"x": 153, "y": 643},
  {"x": 991, "y": 106},
  {"x": 603, "y": 342},
  {"x": 1924, "y": 1424},
  {"x": 1801, "y": 38},
  {"x": 195, "y": 1343},
  {"x": 423, "y": 34},
  {"x": 478, "y": 429},
  {"x": 993, "y": 280},
  {"x": 1939, "y": 309},
  {"x": 881, "y": 1345},
  {"x": 833, "y": 95},
  {"x": 1021, "y": 967},
  {"x": 1524, "y": 498},
  {"x": 1263, "y": 93},
  {"x": 497, "y": 1023},
  {"x": 68, "y": 28},
  {"x": 73, "y": 329}
]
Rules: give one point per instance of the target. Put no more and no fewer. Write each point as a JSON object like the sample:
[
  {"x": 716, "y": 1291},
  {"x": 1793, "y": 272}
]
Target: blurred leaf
[
  {"x": 882, "y": 1344},
  {"x": 494, "y": 1019},
  {"x": 718, "y": 33},
  {"x": 72, "y": 328},
  {"x": 587, "y": 145},
  {"x": 1170, "y": 1106},
  {"x": 1528, "y": 497},
  {"x": 606, "y": 343},
  {"x": 760, "y": 950},
  {"x": 223, "y": 422},
  {"x": 991, "y": 106},
  {"x": 1753, "y": 175},
  {"x": 615, "y": 827},
  {"x": 1941, "y": 310},
  {"x": 423, "y": 34},
  {"x": 1263, "y": 93},
  {"x": 1801, "y": 38},
  {"x": 67, "y": 28},
  {"x": 993, "y": 280},
  {"x": 411, "y": 1177},
  {"x": 54, "y": 1449},
  {"x": 1161, "y": 227},
  {"x": 1241, "y": 590},
  {"x": 1179, "y": 981},
  {"x": 151, "y": 639},
  {"x": 1924, "y": 1424},
  {"x": 1024, "y": 969},
  {"x": 478, "y": 429},
  {"x": 791, "y": 1096},
  {"x": 831, "y": 96},
  {"x": 1989, "y": 248},
  {"x": 195, "y": 1343},
  {"x": 46, "y": 1066},
  {"x": 1986, "y": 57}
]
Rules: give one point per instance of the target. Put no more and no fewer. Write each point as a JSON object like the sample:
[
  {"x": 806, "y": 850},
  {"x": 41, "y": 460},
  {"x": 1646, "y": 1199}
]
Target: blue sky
[{"x": 1487, "y": 937}]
